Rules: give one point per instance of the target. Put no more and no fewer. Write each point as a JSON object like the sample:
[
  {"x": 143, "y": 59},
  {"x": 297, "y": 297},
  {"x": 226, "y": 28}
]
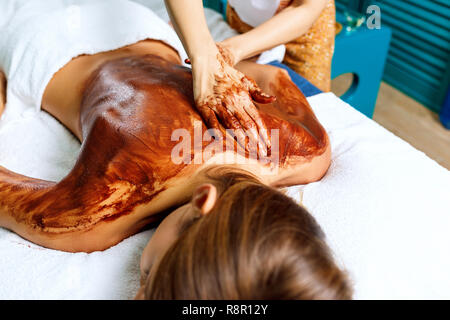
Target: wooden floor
[{"x": 407, "y": 119}]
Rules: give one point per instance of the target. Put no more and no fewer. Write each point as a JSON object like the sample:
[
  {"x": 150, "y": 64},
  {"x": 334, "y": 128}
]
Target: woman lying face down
[
  {"x": 237, "y": 238},
  {"x": 240, "y": 239}
]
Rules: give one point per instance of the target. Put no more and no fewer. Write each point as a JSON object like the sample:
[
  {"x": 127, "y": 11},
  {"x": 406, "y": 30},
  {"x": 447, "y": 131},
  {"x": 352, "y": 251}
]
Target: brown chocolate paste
[{"x": 129, "y": 110}]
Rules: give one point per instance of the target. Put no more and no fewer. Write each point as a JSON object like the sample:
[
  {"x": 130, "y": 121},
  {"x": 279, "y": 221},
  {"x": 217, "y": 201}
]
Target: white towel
[
  {"x": 40, "y": 37},
  {"x": 383, "y": 205}
]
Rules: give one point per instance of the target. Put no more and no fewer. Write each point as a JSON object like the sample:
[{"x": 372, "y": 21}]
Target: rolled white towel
[{"x": 40, "y": 37}]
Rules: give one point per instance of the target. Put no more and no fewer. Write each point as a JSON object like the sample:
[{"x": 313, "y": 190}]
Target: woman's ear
[{"x": 204, "y": 198}]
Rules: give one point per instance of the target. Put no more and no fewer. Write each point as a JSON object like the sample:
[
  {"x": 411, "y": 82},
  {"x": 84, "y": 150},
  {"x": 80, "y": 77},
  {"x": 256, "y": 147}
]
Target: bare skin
[
  {"x": 123, "y": 106},
  {"x": 2, "y": 92}
]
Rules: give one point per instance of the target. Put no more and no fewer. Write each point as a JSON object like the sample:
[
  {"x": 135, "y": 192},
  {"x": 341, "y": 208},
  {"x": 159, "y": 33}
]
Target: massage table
[{"x": 383, "y": 205}]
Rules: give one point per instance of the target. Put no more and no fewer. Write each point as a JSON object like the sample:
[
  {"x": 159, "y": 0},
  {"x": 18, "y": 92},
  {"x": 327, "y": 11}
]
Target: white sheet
[
  {"x": 383, "y": 205},
  {"x": 40, "y": 37}
]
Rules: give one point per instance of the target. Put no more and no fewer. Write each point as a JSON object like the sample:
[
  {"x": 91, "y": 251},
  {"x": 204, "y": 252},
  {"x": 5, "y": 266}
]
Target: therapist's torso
[{"x": 309, "y": 55}]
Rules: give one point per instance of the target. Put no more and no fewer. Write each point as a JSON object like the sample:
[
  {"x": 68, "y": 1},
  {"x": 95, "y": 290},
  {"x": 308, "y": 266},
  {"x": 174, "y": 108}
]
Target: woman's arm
[
  {"x": 223, "y": 95},
  {"x": 289, "y": 24},
  {"x": 2, "y": 92}
]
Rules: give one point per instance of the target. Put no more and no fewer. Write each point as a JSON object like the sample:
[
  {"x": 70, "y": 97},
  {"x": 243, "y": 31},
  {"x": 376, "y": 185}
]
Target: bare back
[{"x": 125, "y": 175}]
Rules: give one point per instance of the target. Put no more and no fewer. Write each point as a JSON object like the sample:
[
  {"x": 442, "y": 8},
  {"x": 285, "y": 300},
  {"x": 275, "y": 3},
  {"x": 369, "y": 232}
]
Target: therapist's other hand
[{"x": 224, "y": 96}]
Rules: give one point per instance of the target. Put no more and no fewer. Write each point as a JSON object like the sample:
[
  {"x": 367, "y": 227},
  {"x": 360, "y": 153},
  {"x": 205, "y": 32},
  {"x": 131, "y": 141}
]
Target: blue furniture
[
  {"x": 363, "y": 53},
  {"x": 218, "y": 5},
  {"x": 418, "y": 61}
]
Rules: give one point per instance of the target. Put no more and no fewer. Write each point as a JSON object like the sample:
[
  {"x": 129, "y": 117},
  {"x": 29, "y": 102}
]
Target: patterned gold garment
[{"x": 309, "y": 55}]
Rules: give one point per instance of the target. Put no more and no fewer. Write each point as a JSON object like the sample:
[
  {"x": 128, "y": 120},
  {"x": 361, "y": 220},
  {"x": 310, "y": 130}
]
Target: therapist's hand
[{"x": 224, "y": 96}]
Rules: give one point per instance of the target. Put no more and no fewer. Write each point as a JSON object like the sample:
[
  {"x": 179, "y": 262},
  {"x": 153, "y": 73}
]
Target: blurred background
[
  {"x": 413, "y": 97},
  {"x": 392, "y": 63}
]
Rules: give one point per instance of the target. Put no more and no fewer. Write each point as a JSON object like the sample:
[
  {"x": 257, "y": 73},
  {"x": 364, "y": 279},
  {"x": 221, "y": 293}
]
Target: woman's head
[{"x": 240, "y": 239}]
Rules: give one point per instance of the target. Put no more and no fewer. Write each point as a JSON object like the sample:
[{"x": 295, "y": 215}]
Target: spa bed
[{"x": 384, "y": 206}]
